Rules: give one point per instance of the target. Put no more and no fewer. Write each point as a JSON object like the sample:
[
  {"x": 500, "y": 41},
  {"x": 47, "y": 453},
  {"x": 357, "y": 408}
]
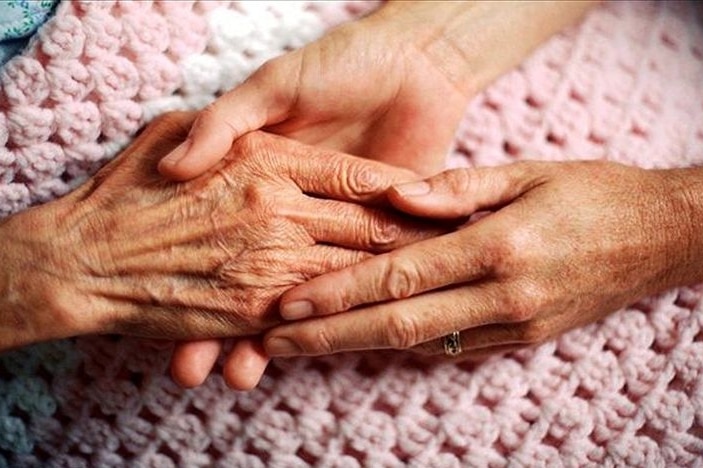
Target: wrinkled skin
[
  {"x": 132, "y": 253},
  {"x": 373, "y": 98},
  {"x": 567, "y": 243},
  {"x": 390, "y": 87}
]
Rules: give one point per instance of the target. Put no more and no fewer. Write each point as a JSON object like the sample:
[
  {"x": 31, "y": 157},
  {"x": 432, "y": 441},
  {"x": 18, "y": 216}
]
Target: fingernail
[
  {"x": 177, "y": 153},
  {"x": 413, "y": 189},
  {"x": 282, "y": 347},
  {"x": 296, "y": 310}
]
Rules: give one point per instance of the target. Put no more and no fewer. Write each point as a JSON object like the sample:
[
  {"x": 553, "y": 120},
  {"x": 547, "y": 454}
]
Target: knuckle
[
  {"x": 360, "y": 180},
  {"x": 519, "y": 311},
  {"x": 323, "y": 342},
  {"x": 268, "y": 69},
  {"x": 219, "y": 115},
  {"x": 259, "y": 200},
  {"x": 383, "y": 233},
  {"x": 402, "y": 279},
  {"x": 208, "y": 114},
  {"x": 527, "y": 301},
  {"x": 533, "y": 333},
  {"x": 401, "y": 332},
  {"x": 258, "y": 150},
  {"x": 272, "y": 75},
  {"x": 342, "y": 299},
  {"x": 458, "y": 181},
  {"x": 509, "y": 253}
]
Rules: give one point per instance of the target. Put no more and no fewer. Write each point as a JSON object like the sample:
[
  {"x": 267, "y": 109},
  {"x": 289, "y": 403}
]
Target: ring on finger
[{"x": 452, "y": 344}]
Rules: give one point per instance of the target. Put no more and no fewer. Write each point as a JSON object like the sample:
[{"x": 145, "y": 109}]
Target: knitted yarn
[
  {"x": 625, "y": 85},
  {"x": 99, "y": 71}
]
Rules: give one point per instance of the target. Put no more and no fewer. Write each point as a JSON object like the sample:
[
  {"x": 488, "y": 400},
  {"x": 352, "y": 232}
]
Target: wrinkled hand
[
  {"x": 391, "y": 87},
  {"x": 569, "y": 243},
  {"x": 131, "y": 253},
  {"x": 367, "y": 88}
]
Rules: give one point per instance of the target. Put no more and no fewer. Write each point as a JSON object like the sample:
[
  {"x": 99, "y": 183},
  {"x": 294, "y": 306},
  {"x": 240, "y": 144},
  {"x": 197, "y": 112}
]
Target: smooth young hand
[{"x": 363, "y": 89}]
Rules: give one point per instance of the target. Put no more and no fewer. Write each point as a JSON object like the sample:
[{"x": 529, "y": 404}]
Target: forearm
[{"x": 475, "y": 42}]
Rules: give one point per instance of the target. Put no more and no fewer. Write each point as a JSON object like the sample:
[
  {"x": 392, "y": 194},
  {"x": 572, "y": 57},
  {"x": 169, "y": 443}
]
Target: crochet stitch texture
[{"x": 625, "y": 85}]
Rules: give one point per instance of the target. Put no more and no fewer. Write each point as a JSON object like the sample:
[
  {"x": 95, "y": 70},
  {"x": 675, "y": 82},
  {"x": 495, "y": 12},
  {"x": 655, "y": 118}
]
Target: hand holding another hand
[
  {"x": 390, "y": 87},
  {"x": 367, "y": 88},
  {"x": 567, "y": 244},
  {"x": 131, "y": 253}
]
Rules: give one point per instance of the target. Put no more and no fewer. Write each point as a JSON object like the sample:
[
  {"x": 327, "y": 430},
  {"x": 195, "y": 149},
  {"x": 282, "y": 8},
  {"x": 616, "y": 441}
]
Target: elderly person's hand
[
  {"x": 131, "y": 253},
  {"x": 566, "y": 244}
]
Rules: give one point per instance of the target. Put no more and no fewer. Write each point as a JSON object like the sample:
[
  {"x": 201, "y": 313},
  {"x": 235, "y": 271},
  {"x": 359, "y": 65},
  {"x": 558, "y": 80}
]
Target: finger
[
  {"x": 400, "y": 324},
  {"x": 245, "y": 365},
  {"x": 192, "y": 361},
  {"x": 359, "y": 227},
  {"x": 341, "y": 176},
  {"x": 264, "y": 98},
  {"x": 461, "y": 192},
  {"x": 453, "y": 258}
]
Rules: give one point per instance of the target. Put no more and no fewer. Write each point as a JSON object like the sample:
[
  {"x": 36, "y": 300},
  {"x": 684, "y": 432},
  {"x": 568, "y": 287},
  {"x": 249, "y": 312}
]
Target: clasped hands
[
  {"x": 353, "y": 254},
  {"x": 324, "y": 252},
  {"x": 130, "y": 252},
  {"x": 564, "y": 243}
]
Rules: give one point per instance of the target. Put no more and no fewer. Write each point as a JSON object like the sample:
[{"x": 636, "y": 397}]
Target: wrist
[
  {"x": 423, "y": 27},
  {"x": 475, "y": 42},
  {"x": 34, "y": 305}
]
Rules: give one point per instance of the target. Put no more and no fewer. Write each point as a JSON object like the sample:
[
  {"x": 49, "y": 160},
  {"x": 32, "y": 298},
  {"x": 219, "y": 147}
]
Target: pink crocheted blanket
[{"x": 625, "y": 85}]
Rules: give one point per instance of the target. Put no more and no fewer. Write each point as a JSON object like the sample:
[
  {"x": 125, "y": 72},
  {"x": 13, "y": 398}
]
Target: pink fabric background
[{"x": 625, "y": 85}]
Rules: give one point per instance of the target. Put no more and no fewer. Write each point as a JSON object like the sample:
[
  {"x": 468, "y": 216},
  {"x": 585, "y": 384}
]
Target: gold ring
[{"x": 452, "y": 344}]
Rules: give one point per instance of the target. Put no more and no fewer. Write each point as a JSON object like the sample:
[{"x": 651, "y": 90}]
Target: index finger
[
  {"x": 453, "y": 258},
  {"x": 344, "y": 177},
  {"x": 336, "y": 175}
]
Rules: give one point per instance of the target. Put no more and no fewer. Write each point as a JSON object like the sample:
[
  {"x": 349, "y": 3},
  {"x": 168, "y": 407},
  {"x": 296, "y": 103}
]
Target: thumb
[
  {"x": 263, "y": 99},
  {"x": 462, "y": 192}
]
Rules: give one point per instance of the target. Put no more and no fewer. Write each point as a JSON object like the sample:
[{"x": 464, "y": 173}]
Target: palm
[{"x": 389, "y": 103}]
